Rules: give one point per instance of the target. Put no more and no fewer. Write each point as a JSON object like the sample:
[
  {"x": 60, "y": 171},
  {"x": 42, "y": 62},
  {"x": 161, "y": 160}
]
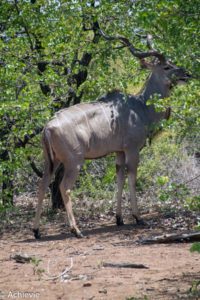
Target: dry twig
[
  {"x": 172, "y": 238},
  {"x": 125, "y": 265}
]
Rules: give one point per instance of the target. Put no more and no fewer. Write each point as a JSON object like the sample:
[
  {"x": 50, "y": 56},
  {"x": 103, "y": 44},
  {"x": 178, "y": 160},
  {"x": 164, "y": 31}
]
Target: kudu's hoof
[
  {"x": 119, "y": 221},
  {"x": 37, "y": 234},
  {"x": 77, "y": 233},
  {"x": 139, "y": 222}
]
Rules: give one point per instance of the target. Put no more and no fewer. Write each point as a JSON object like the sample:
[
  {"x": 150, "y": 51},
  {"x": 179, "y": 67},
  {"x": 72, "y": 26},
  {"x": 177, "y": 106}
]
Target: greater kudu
[{"x": 115, "y": 123}]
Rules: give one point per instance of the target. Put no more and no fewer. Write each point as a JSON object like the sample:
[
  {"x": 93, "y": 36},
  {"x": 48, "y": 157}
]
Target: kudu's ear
[{"x": 146, "y": 65}]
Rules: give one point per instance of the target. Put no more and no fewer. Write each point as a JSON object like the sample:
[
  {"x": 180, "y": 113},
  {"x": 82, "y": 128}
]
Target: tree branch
[
  {"x": 27, "y": 138},
  {"x": 24, "y": 25},
  {"x": 34, "y": 167}
]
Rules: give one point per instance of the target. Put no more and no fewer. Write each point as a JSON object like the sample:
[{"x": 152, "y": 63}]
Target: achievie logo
[{"x": 19, "y": 295}]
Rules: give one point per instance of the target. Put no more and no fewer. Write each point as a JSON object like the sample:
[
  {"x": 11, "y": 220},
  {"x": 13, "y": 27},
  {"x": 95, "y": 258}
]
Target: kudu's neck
[{"x": 155, "y": 85}]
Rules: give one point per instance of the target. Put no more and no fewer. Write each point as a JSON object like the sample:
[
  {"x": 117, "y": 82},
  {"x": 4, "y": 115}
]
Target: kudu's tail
[{"x": 49, "y": 153}]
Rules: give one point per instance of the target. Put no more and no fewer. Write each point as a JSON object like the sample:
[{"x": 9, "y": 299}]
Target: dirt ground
[{"x": 171, "y": 269}]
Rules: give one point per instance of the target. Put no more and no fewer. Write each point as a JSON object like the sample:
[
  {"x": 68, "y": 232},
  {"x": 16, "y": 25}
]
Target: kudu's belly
[{"x": 102, "y": 147}]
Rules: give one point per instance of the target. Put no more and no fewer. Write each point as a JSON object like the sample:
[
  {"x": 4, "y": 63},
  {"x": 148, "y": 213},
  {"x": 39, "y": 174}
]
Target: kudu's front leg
[
  {"x": 120, "y": 171},
  {"x": 132, "y": 160}
]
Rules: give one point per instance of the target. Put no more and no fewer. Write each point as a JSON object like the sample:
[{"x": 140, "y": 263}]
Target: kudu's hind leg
[
  {"x": 120, "y": 171},
  {"x": 44, "y": 183},
  {"x": 65, "y": 189}
]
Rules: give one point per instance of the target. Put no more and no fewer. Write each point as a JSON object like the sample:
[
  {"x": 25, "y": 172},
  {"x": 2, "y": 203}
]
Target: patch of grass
[
  {"x": 195, "y": 247},
  {"x": 194, "y": 290},
  {"x": 36, "y": 270},
  {"x": 157, "y": 161},
  {"x": 193, "y": 203},
  {"x": 36, "y": 261}
]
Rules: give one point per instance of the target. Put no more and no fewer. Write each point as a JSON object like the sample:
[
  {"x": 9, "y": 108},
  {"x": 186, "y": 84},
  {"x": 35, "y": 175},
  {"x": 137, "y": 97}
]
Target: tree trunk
[{"x": 7, "y": 189}]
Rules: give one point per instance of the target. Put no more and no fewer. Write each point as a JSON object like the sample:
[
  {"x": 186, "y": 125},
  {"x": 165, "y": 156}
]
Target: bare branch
[
  {"x": 124, "y": 265},
  {"x": 24, "y": 25},
  {"x": 34, "y": 167},
  {"x": 61, "y": 275}
]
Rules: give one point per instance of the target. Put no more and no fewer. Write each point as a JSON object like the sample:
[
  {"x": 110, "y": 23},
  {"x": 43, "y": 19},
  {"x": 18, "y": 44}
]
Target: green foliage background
[{"x": 41, "y": 46}]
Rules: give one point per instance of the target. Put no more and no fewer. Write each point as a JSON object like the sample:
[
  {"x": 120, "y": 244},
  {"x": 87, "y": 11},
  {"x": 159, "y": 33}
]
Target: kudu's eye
[{"x": 167, "y": 68}]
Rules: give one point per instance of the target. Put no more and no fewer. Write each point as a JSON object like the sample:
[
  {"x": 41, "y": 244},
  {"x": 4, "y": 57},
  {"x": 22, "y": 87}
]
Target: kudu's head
[{"x": 164, "y": 75}]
